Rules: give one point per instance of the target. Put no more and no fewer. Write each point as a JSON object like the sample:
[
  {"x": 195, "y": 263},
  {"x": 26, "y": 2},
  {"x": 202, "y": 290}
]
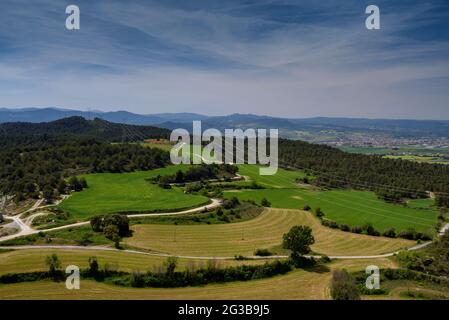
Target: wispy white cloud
[{"x": 260, "y": 58}]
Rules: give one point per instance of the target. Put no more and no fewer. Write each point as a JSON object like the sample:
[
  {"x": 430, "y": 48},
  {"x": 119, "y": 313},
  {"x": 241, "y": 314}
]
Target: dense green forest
[
  {"x": 32, "y": 135},
  {"x": 390, "y": 178},
  {"x": 38, "y": 158}
]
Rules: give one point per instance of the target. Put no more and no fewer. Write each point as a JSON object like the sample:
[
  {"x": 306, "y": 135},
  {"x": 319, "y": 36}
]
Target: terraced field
[
  {"x": 128, "y": 192},
  {"x": 343, "y": 206},
  {"x": 299, "y": 284},
  {"x": 34, "y": 260},
  {"x": 265, "y": 231}
]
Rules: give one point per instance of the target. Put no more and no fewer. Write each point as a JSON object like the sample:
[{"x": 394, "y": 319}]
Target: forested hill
[
  {"x": 393, "y": 178},
  {"x": 21, "y": 134},
  {"x": 36, "y": 160}
]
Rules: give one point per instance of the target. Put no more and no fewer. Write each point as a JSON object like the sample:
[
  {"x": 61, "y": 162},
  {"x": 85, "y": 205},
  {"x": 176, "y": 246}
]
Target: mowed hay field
[
  {"x": 19, "y": 261},
  {"x": 298, "y": 284},
  {"x": 265, "y": 231},
  {"x": 351, "y": 207},
  {"x": 128, "y": 192}
]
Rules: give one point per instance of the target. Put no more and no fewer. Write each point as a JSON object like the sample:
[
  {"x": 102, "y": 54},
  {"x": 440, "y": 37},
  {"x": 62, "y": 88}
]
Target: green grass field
[
  {"x": 411, "y": 153},
  {"x": 128, "y": 192},
  {"x": 343, "y": 206}
]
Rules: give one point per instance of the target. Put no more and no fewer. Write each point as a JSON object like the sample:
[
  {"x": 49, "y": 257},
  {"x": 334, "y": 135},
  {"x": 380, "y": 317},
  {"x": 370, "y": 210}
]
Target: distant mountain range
[{"x": 320, "y": 129}]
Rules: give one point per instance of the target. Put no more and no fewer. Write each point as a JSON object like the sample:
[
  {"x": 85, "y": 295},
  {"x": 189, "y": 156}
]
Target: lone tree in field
[
  {"x": 298, "y": 240},
  {"x": 343, "y": 286}
]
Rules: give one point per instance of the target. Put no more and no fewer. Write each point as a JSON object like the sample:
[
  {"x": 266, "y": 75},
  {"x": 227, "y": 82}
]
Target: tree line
[{"x": 392, "y": 179}]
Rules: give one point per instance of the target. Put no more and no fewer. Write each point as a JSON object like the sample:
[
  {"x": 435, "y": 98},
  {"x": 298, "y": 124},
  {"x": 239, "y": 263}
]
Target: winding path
[
  {"x": 26, "y": 230},
  {"x": 157, "y": 254}
]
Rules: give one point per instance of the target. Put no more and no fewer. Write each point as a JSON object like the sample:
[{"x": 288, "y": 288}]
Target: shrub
[
  {"x": 263, "y": 253},
  {"x": 329, "y": 223},
  {"x": 324, "y": 259},
  {"x": 343, "y": 287},
  {"x": 265, "y": 203},
  {"x": 319, "y": 213},
  {"x": 369, "y": 229},
  {"x": 343, "y": 227},
  {"x": 300, "y": 261},
  {"x": 54, "y": 264},
  {"x": 306, "y": 208},
  {"x": 93, "y": 267},
  {"x": 356, "y": 229},
  {"x": 409, "y": 234},
  {"x": 422, "y": 236},
  {"x": 390, "y": 233},
  {"x": 137, "y": 279},
  {"x": 111, "y": 231},
  {"x": 121, "y": 221},
  {"x": 170, "y": 265}
]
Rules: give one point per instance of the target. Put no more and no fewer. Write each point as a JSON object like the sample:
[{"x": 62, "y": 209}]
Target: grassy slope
[
  {"x": 299, "y": 284},
  {"x": 34, "y": 260},
  {"x": 344, "y": 206},
  {"x": 128, "y": 192},
  {"x": 265, "y": 231}
]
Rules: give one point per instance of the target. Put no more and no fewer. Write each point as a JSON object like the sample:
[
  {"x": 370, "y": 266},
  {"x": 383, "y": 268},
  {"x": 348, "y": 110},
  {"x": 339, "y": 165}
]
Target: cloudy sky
[{"x": 283, "y": 58}]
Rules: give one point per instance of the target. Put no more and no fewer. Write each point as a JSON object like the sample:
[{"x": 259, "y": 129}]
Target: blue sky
[{"x": 282, "y": 58}]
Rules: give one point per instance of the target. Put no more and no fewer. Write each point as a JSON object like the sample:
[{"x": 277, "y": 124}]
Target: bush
[
  {"x": 300, "y": 261},
  {"x": 263, "y": 253},
  {"x": 111, "y": 231},
  {"x": 121, "y": 221},
  {"x": 356, "y": 229},
  {"x": 409, "y": 234},
  {"x": 319, "y": 213},
  {"x": 329, "y": 223},
  {"x": 306, "y": 208},
  {"x": 54, "y": 265},
  {"x": 93, "y": 267},
  {"x": 343, "y": 227},
  {"x": 231, "y": 203},
  {"x": 369, "y": 229},
  {"x": 343, "y": 287},
  {"x": 422, "y": 236},
  {"x": 389, "y": 233},
  {"x": 265, "y": 203}
]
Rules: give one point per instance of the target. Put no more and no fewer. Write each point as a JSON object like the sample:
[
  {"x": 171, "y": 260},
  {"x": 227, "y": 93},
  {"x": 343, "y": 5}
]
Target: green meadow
[
  {"x": 128, "y": 192},
  {"x": 343, "y": 206}
]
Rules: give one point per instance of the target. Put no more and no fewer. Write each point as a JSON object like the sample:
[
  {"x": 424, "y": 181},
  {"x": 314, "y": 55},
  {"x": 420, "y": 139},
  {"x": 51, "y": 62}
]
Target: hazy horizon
[
  {"x": 285, "y": 59},
  {"x": 214, "y": 115}
]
